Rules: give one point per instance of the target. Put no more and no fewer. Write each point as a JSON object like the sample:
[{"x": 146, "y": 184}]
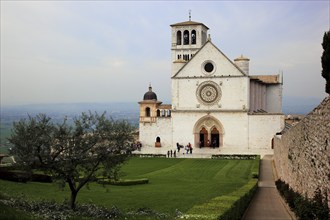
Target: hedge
[
  {"x": 124, "y": 182},
  {"x": 235, "y": 156},
  {"x": 148, "y": 155},
  {"x": 20, "y": 176},
  {"x": 14, "y": 176},
  {"x": 231, "y": 206}
]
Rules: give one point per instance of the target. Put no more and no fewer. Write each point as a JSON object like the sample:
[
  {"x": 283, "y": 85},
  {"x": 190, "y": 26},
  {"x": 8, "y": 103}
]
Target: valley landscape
[{"x": 116, "y": 110}]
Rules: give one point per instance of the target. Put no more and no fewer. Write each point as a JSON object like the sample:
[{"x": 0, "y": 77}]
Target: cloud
[{"x": 76, "y": 51}]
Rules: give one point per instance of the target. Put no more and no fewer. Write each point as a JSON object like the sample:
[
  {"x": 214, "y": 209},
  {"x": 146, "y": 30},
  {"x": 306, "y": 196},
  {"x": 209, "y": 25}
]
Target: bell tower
[{"x": 187, "y": 38}]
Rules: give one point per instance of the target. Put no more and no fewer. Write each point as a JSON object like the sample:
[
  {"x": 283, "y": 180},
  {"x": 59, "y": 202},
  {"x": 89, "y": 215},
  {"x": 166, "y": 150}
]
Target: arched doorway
[
  {"x": 208, "y": 132},
  {"x": 215, "y": 137},
  {"x": 203, "y": 135}
]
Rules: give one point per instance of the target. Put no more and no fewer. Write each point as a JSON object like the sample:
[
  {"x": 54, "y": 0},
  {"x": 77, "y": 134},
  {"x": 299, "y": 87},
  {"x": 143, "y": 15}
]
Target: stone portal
[{"x": 208, "y": 132}]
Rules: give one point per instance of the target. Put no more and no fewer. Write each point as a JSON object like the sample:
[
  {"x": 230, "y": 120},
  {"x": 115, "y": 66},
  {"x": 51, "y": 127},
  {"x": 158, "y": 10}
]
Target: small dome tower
[
  {"x": 150, "y": 95},
  {"x": 149, "y": 106}
]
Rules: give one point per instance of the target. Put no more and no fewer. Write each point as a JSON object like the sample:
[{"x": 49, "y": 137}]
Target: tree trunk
[
  {"x": 74, "y": 192},
  {"x": 73, "y": 199}
]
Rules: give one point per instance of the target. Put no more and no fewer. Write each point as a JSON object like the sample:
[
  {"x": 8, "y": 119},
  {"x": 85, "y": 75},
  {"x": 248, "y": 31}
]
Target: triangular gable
[{"x": 209, "y": 52}]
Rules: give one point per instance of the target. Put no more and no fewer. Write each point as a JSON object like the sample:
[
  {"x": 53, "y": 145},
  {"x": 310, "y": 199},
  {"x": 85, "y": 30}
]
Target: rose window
[{"x": 208, "y": 93}]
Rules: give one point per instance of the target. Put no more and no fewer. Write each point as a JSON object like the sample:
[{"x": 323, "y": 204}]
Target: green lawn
[{"x": 173, "y": 184}]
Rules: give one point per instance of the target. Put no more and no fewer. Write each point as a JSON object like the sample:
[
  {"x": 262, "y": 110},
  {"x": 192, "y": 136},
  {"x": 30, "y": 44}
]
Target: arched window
[
  {"x": 158, "y": 113},
  {"x": 186, "y": 37},
  {"x": 163, "y": 113},
  {"x": 193, "y": 37},
  {"x": 158, "y": 139},
  {"x": 168, "y": 113},
  {"x": 147, "y": 112},
  {"x": 178, "y": 38}
]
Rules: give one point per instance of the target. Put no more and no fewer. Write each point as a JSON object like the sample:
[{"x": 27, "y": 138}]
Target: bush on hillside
[{"x": 303, "y": 207}]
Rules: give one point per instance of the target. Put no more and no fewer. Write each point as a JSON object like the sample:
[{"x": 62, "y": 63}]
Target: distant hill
[
  {"x": 126, "y": 110},
  {"x": 117, "y": 110}
]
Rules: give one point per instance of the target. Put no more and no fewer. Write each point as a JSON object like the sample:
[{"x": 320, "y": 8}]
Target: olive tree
[{"x": 72, "y": 153}]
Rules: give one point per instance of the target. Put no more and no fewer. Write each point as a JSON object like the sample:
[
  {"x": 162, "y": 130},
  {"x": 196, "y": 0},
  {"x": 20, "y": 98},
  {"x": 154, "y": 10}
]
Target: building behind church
[{"x": 217, "y": 106}]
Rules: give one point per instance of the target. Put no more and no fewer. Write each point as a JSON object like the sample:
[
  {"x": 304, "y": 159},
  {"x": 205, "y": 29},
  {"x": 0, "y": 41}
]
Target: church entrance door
[
  {"x": 208, "y": 132},
  {"x": 203, "y": 138},
  {"x": 215, "y": 138}
]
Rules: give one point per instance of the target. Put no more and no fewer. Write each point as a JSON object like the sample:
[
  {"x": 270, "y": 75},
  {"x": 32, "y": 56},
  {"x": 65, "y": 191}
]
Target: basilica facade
[{"x": 216, "y": 107}]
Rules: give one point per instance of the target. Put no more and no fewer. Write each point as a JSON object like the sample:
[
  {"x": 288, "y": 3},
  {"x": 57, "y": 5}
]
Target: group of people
[
  {"x": 171, "y": 153},
  {"x": 188, "y": 148},
  {"x": 136, "y": 146}
]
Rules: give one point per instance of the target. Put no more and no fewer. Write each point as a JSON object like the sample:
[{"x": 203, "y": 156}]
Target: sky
[{"x": 109, "y": 51}]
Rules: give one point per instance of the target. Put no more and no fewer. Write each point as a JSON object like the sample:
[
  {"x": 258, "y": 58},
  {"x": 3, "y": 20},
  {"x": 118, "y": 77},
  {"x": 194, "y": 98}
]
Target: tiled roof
[
  {"x": 268, "y": 79},
  {"x": 165, "y": 106},
  {"x": 187, "y": 23}
]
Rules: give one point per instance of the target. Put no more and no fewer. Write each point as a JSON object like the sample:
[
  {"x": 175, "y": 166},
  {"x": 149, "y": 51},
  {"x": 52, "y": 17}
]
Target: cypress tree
[{"x": 325, "y": 60}]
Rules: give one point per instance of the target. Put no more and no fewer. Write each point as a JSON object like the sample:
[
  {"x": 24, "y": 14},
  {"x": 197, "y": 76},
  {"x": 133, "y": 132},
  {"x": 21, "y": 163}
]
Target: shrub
[
  {"x": 303, "y": 207},
  {"x": 255, "y": 175},
  {"x": 21, "y": 176},
  {"x": 42, "y": 178},
  {"x": 124, "y": 182},
  {"x": 245, "y": 195},
  {"x": 235, "y": 156},
  {"x": 14, "y": 176},
  {"x": 231, "y": 206},
  {"x": 146, "y": 213},
  {"x": 53, "y": 210},
  {"x": 149, "y": 155}
]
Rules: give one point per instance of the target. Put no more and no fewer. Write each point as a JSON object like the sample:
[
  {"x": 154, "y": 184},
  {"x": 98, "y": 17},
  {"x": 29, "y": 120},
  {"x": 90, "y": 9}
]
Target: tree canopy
[
  {"x": 325, "y": 60},
  {"x": 72, "y": 153}
]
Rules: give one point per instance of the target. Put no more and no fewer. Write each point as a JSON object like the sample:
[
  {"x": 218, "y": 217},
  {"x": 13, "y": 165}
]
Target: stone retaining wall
[{"x": 302, "y": 154}]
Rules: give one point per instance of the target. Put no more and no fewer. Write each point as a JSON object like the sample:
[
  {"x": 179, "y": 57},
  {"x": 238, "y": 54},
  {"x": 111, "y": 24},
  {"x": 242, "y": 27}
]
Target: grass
[{"x": 174, "y": 184}]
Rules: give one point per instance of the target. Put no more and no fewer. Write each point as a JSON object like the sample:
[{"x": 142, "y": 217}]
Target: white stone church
[{"x": 217, "y": 106}]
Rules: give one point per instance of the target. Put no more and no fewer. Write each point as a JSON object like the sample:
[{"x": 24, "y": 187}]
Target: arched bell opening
[
  {"x": 147, "y": 112},
  {"x": 178, "y": 37},
  {"x": 193, "y": 37},
  {"x": 186, "y": 37}
]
